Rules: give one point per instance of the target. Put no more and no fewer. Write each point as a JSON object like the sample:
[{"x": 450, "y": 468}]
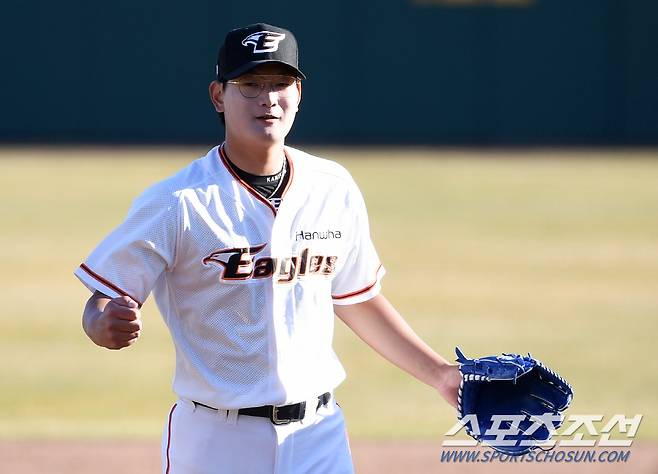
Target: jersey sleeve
[
  {"x": 134, "y": 255},
  {"x": 358, "y": 279}
]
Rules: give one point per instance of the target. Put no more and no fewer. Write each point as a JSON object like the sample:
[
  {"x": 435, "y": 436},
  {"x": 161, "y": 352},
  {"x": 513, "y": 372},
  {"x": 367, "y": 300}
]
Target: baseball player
[{"x": 249, "y": 252}]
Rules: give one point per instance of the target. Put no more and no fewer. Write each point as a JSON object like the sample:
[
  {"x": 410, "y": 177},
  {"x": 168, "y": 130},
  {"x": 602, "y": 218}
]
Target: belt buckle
[{"x": 285, "y": 421}]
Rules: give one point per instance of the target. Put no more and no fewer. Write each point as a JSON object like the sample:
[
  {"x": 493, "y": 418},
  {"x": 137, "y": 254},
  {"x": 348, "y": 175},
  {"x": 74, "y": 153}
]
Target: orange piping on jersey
[
  {"x": 256, "y": 194},
  {"x": 362, "y": 290},
  {"x": 169, "y": 436},
  {"x": 292, "y": 174},
  {"x": 107, "y": 283}
]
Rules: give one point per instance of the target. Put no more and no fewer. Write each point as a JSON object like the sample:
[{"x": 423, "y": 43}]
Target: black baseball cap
[{"x": 253, "y": 45}]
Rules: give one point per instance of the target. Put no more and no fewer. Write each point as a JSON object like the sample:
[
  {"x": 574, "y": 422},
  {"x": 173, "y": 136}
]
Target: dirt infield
[{"x": 142, "y": 457}]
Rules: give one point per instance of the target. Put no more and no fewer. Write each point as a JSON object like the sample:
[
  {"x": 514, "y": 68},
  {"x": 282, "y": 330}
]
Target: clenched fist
[{"x": 112, "y": 323}]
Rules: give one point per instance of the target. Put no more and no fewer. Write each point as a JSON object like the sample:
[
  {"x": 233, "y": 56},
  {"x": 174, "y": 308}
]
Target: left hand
[{"x": 449, "y": 382}]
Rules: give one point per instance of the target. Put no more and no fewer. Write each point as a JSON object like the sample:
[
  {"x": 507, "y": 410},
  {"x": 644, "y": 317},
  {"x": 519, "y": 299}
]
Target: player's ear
[
  {"x": 216, "y": 92},
  {"x": 299, "y": 90}
]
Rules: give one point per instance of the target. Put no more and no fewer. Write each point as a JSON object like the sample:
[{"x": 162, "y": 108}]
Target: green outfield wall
[{"x": 499, "y": 72}]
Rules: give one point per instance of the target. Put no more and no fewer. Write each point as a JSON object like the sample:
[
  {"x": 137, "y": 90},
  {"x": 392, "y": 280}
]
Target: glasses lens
[
  {"x": 283, "y": 85},
  {"x": 252, "y": 87}
]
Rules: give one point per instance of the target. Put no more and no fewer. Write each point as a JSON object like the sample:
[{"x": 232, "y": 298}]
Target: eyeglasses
[{"x": 252, "y": 86}]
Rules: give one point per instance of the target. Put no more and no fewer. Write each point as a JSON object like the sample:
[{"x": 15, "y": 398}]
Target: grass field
[{"x": 550, "y": 252}]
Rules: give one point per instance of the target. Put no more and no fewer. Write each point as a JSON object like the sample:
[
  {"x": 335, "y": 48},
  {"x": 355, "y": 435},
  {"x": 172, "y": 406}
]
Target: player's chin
[{"x": 271, "y": 131}]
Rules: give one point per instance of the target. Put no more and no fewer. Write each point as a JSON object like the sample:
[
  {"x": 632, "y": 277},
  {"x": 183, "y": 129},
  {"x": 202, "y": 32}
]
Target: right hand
[{"x": 117, "y": 326}]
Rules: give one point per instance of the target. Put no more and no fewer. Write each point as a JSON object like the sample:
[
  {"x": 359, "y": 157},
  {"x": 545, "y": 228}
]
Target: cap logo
[{"x": 264, "y": 41}]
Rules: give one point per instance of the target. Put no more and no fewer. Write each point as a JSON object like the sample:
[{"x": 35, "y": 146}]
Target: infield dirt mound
[{"x": 143, "y": 457}]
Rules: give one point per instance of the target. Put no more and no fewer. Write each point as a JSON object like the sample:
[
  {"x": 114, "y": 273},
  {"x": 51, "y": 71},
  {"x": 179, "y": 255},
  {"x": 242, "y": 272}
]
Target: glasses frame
[{"x": 262, "y": 84}]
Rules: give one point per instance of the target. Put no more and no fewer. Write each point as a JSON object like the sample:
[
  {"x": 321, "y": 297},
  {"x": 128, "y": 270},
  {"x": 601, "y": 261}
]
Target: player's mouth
[{"x": 268, "y": 118}]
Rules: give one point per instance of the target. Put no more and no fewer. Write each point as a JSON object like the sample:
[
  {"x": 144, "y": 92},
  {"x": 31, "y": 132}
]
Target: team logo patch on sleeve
[
  {"x": 242, "y": 264},
  {"x": 264, "y": 41}
]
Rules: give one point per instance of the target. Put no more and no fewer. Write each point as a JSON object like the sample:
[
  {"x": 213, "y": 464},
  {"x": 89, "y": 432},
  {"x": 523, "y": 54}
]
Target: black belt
[{"x": 281, "y": 415}]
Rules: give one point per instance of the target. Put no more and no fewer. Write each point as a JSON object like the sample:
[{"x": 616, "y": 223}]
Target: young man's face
[{"x": 266, "y": 118}]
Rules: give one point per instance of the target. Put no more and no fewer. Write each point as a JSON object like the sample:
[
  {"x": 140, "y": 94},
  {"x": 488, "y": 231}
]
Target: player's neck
[{"x": 258, "y": 160}]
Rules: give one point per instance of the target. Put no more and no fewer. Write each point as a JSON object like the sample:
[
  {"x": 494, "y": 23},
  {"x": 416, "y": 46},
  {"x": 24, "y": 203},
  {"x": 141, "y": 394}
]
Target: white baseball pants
[{"x": 198, "y": 440}]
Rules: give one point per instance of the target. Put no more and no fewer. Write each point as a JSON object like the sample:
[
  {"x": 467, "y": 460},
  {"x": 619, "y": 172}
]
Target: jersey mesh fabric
[
  {"x": 242, "y": 338},
  {"x": 227, "y": 330},
  {"x": 145, "y": 240}
]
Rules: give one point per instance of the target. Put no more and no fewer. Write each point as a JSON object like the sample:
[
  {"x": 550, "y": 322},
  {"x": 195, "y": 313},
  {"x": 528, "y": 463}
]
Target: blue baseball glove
[{"x": 512, "y": 403}]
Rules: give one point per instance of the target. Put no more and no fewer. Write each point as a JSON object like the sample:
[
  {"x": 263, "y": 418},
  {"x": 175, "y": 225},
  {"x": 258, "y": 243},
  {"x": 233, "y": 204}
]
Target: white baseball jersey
[{"x": 246, "y": 290}]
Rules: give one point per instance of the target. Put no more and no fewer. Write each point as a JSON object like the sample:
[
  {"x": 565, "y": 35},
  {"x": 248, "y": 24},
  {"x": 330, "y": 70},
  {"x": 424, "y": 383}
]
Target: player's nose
[{"x": 269, "y": 98}]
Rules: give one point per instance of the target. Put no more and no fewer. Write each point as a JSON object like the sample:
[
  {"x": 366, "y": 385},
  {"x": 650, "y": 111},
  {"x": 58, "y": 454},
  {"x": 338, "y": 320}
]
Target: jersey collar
[{"x": 291, "y": 170}]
